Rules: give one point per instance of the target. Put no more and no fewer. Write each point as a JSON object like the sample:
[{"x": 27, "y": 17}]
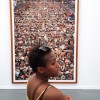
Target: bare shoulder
[{"x": 53, "y": 93}]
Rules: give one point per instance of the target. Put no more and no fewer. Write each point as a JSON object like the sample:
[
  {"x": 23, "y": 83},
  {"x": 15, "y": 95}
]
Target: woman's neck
[{"x": 42, "y": 77}]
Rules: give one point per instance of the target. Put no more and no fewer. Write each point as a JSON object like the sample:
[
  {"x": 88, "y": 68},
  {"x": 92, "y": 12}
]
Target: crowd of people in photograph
[{"x": 50, "y": 22}]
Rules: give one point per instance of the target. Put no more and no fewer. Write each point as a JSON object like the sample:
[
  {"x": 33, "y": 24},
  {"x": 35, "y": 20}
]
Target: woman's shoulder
[
  {"x": 30, "y": 86},
  {"x": 53, "y": 94}
]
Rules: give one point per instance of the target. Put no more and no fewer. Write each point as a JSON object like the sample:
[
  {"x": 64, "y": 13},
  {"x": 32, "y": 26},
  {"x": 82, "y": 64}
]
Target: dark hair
[{"x": 36, "y": 56}]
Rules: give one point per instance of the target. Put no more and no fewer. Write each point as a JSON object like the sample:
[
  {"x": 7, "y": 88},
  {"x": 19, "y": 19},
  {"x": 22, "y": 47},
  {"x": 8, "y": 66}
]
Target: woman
[{"x": 43, "y": 62}]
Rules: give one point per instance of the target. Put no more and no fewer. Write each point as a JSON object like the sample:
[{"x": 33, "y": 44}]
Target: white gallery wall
[{"x": 88, "y": 47}]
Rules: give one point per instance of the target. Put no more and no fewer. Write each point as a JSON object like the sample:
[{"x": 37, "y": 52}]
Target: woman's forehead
[{"x": 51, "y": 56}]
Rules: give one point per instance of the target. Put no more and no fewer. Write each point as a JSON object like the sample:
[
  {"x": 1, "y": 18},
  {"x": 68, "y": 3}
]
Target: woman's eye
[{"x": 53, "y": 63}]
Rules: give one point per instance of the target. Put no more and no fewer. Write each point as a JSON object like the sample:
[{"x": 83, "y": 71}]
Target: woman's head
[
  {"x": 43, "y": 60},
  {"x": 36, "y": 56}
]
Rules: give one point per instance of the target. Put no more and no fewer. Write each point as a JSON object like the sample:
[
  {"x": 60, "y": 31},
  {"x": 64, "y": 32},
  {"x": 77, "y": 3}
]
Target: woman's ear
[{"x": 40, "y": 70}]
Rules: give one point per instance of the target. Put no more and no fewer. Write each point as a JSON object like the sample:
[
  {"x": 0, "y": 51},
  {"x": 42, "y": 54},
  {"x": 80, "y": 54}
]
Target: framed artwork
[{"x": 52, "y": 22}]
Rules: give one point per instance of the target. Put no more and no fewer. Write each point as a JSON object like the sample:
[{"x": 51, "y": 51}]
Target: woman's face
[{"x": 52, "y": 66}]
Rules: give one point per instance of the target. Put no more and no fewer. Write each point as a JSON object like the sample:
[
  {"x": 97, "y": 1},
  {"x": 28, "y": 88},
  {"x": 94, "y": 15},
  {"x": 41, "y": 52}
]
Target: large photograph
[{"x": 50, "y": 22}]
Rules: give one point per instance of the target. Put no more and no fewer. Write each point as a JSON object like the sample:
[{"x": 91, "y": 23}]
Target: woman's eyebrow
[{"x": 54, "y": 58}]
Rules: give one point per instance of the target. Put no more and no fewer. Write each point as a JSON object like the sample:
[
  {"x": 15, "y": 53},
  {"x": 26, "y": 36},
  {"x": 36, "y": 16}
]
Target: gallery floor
[{"x": 16, "y": 94}]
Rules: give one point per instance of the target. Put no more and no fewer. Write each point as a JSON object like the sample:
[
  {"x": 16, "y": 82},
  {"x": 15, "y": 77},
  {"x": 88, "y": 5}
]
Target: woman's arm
[
  {"x": 54, "y": 94},
  {"x": 68, "y": 97}
]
